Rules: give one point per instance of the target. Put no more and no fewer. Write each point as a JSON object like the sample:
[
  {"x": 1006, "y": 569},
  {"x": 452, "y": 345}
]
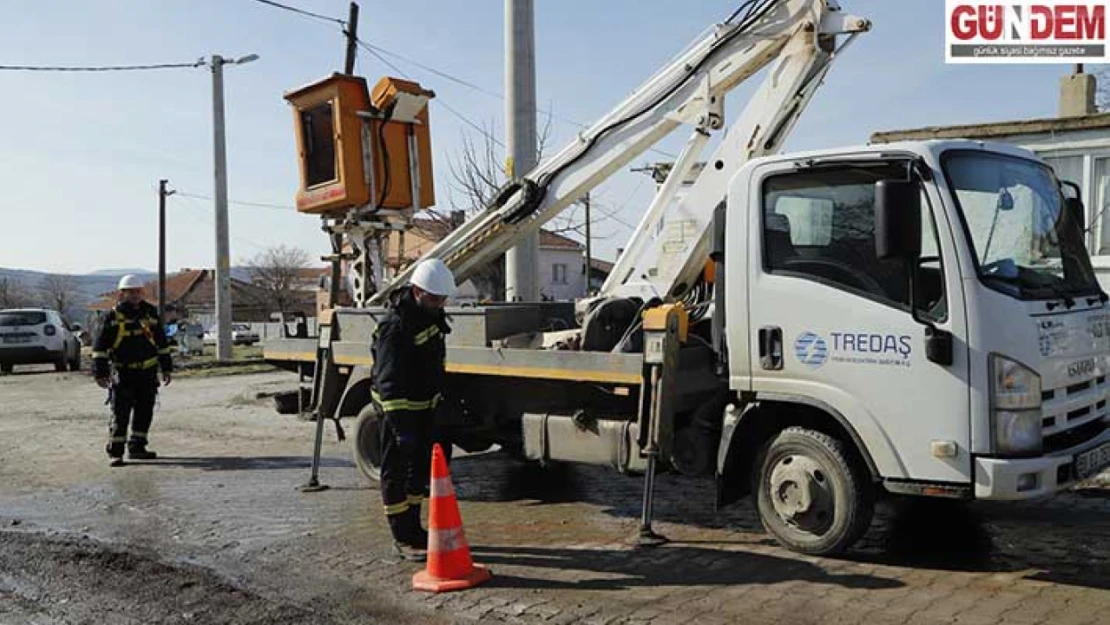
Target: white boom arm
[{"x": 691, "y": 90}]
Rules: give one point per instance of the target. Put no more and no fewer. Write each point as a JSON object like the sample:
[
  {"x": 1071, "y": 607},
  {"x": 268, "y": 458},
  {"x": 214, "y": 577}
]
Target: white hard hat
[
  {"x": 130, "y": 281},
  {"x": 434, "y": 277}
]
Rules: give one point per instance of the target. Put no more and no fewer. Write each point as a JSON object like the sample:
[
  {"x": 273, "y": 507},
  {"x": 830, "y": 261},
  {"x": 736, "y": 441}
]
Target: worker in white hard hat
[
  {"x": 409, "y": 349},
  {"x": 133, "y": 342}
]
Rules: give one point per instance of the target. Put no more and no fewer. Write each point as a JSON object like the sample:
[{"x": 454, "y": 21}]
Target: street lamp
[{"x": 223, "y": 262}]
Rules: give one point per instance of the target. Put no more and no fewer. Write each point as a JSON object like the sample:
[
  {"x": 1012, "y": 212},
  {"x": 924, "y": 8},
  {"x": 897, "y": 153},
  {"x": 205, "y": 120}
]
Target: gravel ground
[{"x": 216, "y": 531}]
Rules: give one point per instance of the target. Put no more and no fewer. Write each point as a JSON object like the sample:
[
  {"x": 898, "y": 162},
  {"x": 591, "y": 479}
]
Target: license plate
[
  {"x": 1091, "y": 462},
  {"x": 17, "y": 339}
]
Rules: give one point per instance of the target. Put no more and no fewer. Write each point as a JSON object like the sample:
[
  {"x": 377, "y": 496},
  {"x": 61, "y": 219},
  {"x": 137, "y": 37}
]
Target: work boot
[
  {"x": 409, "y": 552},
  {"x": 405, "y": 538},
  {"x": 419, "y": 536},
  {"x": 141, "y": 454},
  {"x": 115, "y": 461}
]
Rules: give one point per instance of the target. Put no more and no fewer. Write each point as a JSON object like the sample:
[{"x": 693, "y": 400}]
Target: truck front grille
[{"x": 1074, "y": 414}]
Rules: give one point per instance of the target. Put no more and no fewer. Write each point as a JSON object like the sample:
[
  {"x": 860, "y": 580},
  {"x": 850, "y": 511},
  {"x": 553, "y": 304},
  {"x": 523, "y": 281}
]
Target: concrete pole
[
  {"x": 162, "y": 251},
  {"x": 223, "y": 262},
  {"x": 521, "y": 262}
]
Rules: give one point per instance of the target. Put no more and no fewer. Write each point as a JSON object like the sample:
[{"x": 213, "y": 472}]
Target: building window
[
  {"x": 1098, "y": 228},
  {"x": 559, "y": 273}
]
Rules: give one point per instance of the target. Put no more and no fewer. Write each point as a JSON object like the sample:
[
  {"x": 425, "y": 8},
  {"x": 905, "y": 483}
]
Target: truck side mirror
[{"x": 897, "y": 219}]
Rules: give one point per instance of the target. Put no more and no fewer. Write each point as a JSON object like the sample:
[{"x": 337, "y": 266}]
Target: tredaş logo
[
  {"x": 811, "y": 349},
  {"x": 1026, "y": 31},
  {"x": 854, "y": 348}
]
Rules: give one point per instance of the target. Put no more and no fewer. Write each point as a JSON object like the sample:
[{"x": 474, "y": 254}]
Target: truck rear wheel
[
  {"x": 811, "y": 495},
  {"x": 367, "y": 442}
]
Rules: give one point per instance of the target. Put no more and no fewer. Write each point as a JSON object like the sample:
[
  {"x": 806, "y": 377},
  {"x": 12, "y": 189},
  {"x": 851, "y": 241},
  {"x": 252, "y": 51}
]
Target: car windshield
[
  {"x": 21, "y": 318},
  {"x": 1025, "y": 244}
]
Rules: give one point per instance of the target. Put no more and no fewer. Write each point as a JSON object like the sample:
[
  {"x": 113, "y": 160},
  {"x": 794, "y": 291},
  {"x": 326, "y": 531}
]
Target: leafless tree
[
  {"x": 277, "y": 271},
  {"x": 477, "y": 175},
  {"x": 12, "y": 294},
  {"x": 58, "y": 292}
]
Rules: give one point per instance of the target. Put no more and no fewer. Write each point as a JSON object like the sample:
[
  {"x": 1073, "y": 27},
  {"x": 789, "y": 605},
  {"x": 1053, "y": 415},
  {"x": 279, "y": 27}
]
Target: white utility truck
[{"x": 816, "y": 329}]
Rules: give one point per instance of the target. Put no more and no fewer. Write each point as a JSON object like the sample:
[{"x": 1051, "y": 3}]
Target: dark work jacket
[
  {"x": 409, "y": 350},
  {"x": 133, "y": 339}
]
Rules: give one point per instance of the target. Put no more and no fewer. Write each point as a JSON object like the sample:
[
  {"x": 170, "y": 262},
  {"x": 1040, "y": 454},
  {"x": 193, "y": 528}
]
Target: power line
[
  {"x": 205, "y": 218},
  {"x": 378, "y": 51},
  {"x": 286, "y": 7},
  {"x": 375, "y": 50},
  {"x": 449, "y": 108},
  {"x": 455, "y": 79},
  {"x": 253, "y": 204},
  {"x": 102, "y": 68}
]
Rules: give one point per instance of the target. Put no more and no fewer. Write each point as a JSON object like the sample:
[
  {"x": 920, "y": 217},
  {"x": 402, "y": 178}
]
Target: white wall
[{"x": 570, "y": 283}]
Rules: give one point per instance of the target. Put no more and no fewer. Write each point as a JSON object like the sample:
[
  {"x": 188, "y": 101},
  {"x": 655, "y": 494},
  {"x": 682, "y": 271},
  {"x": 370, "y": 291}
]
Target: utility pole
[
  {"x": 223, "y": 253},
  {"x": 336, "y": 257},
  {"x": 522, "y": 261},
  {"x": 352, "y": 40},
  {"x": 589, "y": 254},
  {"x": 162, "y": 195}
]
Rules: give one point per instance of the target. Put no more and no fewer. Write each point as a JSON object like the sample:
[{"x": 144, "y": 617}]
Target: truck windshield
[{"x": 1025, "y": 243}]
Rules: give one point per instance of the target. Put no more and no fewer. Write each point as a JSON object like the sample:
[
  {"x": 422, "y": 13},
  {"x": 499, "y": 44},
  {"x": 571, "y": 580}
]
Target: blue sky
[{"x": 82, "y": 154}]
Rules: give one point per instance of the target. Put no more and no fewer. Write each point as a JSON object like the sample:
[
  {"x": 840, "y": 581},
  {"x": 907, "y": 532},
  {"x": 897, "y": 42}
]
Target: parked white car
[
  {"x": 241, "y": 334},
  {"x": 38, "y": 336}
]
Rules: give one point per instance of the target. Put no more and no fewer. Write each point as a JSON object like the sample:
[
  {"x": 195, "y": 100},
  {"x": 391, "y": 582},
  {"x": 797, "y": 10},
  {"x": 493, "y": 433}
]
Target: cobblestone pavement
[{"x": 224, "y": 497}]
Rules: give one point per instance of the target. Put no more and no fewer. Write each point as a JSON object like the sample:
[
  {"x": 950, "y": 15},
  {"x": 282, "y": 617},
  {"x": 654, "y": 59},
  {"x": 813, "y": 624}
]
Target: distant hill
[
  {"x": 122, "y": 272},
  {"x": 89, "y": 286},
  {"x": 92, "y": 285}
]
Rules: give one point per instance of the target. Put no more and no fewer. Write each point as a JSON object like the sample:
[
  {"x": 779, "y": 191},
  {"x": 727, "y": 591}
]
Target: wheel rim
[{"x": 801, "y": 494}]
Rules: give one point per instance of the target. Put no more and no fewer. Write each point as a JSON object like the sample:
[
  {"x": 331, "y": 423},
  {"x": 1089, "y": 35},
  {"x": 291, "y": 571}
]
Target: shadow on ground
[
  {"x": 1062, "y": 541},
  {"x": 688, "y": 565},
  {"x": 240, "y": 463}
]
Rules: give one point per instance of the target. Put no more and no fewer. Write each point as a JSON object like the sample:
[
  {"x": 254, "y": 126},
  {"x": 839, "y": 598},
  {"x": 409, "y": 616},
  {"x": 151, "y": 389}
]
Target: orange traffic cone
[{"x": 449, "y": 564}]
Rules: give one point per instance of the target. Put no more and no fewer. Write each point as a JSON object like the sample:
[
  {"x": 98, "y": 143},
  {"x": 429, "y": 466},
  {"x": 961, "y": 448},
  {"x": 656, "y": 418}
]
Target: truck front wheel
[
  {"x": 811, "y": 495},
  {"x": 368, "y": 442}
]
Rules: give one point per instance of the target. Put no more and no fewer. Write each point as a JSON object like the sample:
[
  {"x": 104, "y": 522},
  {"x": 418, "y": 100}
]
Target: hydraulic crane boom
[{"x": 691, "y": 90}]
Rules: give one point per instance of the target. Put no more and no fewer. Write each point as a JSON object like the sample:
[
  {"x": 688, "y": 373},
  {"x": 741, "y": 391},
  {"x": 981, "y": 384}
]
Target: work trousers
[
  {"x": 407, "y": 437},
  {"x": 132, "y": 404},
  {"x": 406, "y": 445}
]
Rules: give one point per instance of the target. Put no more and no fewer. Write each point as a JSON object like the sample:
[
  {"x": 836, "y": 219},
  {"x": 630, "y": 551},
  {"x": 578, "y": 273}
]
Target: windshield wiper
[
  {"x": 1024, "y": 287},
  {"x": 1060, "y": 292}
]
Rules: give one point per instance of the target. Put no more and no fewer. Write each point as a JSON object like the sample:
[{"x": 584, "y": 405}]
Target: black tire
[
  {"x": 6, "y": 368},
  {"x": 838, "y": 494},
  {"x": 367, "y": 442}
]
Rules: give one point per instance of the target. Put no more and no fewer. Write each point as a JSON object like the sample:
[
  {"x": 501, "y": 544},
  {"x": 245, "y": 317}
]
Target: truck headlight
[{"x": 1015, "y": 408}]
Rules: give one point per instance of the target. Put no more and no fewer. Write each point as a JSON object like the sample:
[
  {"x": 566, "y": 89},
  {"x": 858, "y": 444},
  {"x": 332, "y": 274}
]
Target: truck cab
[{"x": 935, "y": 304}]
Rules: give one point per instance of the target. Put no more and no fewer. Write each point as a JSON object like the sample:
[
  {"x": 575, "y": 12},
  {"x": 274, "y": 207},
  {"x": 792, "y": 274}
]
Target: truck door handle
[{"x": 770, "y": 348}]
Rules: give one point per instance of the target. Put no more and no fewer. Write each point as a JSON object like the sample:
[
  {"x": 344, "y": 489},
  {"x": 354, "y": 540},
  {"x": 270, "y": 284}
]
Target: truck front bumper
[{"x": 1030, "y": 478}]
